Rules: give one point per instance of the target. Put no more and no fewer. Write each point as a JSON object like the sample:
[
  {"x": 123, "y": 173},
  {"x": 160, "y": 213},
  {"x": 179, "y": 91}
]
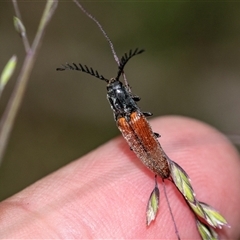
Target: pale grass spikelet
[
  {"x": 202, "y": 211},
  {"x": 19, "y": 26},
  {"x": 7, "y": 72},
  {"x": 153, "y": 204},
  {"x": 213, "y": 217},
  {"x": 206, "y": 232}
]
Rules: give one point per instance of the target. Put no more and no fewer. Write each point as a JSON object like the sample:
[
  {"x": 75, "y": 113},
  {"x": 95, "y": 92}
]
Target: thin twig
[
  {"x": 11, "y": 110},
  {"x": 170, "y": 210}
]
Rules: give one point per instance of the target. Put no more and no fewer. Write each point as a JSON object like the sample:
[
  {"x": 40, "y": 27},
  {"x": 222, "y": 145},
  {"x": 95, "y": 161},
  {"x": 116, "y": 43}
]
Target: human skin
[{"x": 104, "y": 194}]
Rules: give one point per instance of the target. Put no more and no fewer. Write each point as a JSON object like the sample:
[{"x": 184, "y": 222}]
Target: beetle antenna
[
  {"x": 125, "y": 59},
  {"x": 82, "y": 68},
  {"x": 108, "y": 39},
  {"x": 102, "y": 30}
]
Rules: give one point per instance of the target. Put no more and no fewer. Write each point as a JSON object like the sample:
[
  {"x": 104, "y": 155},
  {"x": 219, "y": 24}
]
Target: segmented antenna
[
  {"x": 82, "y": 68},
  {"x": 107, "y": 38},
  {"x": 102, "y": 30},
  {"x": 125, "y": 59}
]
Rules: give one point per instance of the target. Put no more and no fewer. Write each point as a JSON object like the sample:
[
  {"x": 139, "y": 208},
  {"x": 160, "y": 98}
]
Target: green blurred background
[{"x": 191, "y": 67}]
